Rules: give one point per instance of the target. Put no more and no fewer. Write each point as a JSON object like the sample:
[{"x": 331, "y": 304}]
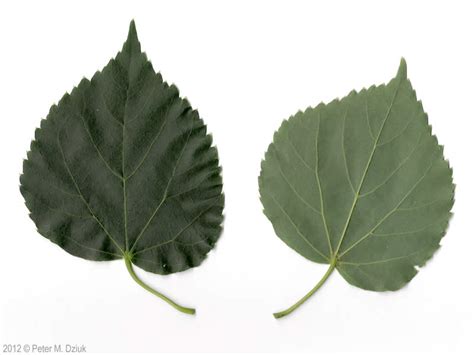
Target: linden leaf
[
  {"x": 123, "y": 168},
  {"x": 360, "y": 184}
]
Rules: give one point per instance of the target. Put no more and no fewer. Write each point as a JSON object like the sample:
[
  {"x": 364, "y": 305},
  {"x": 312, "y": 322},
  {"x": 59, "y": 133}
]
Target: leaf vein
[
  {"x": 382, "y": 260},
  {"x": 367, "y": 116},
  {"x": 405, "y": 232},
  {"x": 115, "y": 119},
  {"x": 194, "y": 220},
  {"x": 89, "y": 248},
  {"x": 402, "y": 163},
  {"x": 344, "y": 152},
  {"x": 165, "y": 193},
  {"x": 389, "y": 213},
  {"x": 400, "y": 134},
  {"x": 97, "y": 148},
  {"x": 294, "y": 190},
  {"x": 297, "y": 229},
  {"x": 165, "y": 121},
  {"x": 316, "y": 173},
  {"x": 82, "y": 196}
]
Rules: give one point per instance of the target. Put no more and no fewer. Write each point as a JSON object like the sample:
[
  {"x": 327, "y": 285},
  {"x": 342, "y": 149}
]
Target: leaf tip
[
  {"x": 402, "y": 69},
  {"x": 132, "y": 31},
  {"x": 132, "y": 44}
]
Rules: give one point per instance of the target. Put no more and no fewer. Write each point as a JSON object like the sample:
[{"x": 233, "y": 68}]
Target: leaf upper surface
[
  {"x": 360, "y": 182},
  {"x": 123, "y": 166}
]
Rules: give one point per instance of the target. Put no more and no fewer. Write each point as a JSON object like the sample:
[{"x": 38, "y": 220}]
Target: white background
[{"x": 246, "y": 66}]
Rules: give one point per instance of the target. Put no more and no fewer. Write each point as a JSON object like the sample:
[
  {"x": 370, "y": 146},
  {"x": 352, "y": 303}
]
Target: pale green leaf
[{"x": 360, "y": 184}]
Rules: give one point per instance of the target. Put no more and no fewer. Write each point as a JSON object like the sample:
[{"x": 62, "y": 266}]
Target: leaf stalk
[
  {"x": 128, "y": 263},
  {"x": 328, "y": 273}
]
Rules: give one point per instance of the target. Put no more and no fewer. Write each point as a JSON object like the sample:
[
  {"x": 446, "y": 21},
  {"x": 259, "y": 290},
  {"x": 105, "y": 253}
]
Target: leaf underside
[
  {"x": 123, "y": 167},
  {"x": 361, "y": 184}
]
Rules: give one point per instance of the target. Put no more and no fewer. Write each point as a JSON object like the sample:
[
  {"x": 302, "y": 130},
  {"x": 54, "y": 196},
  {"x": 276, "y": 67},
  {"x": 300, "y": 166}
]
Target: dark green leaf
[
  {"x": 360, "y": 184},
  {"x": 123, "y": 168}
]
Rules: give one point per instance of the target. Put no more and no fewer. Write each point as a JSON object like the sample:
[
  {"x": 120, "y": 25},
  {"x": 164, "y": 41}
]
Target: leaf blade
[
  {"x": 121, "y": 163},
  {"x": 385, "y": 185}
]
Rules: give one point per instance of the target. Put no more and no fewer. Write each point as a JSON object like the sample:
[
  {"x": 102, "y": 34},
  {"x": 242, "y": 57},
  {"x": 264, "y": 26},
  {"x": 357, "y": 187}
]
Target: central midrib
[
  {"x": 356, "y": 195},
  {"x": 124, "y": 180}
]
